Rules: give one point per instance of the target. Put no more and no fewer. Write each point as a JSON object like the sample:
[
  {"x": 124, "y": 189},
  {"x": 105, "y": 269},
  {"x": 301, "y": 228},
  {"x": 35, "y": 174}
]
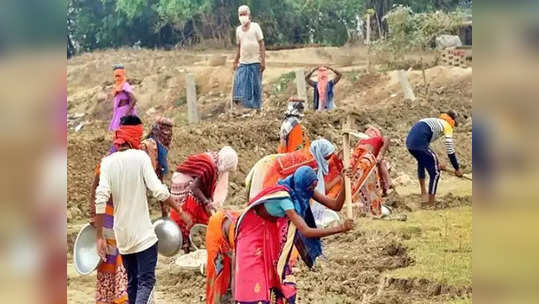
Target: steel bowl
[
  {"x": 85, "y": 257},
  {"x": 169, "y": 236},
  {"x": 197, "y": 230},
  {"x": 329, "y": 217}
]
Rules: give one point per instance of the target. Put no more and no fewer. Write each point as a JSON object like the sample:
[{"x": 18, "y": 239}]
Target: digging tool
[
  {"x": 465, "y": 176},
  {"x": 359, "y": 135},
  {"x": 346, "y": 152}
]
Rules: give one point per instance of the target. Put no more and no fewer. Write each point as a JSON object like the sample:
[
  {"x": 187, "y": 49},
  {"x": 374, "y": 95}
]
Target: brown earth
[{"x": 353, "y": 273}]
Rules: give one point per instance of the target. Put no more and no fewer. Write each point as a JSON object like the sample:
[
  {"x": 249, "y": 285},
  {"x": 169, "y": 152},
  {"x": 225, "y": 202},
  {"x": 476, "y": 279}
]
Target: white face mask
[{"x": 244, "y": 20}]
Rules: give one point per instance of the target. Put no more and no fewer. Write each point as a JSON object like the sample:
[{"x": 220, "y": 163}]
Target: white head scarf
[
  {"x": 320, "y": 149},
  {"x": 228, "y": 159},
  {"x": 244, "y": 8}
]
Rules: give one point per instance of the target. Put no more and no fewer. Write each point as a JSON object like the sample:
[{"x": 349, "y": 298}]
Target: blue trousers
[
  {"x": 427, "y": 160},
  {"x": 140, "y": 269}
]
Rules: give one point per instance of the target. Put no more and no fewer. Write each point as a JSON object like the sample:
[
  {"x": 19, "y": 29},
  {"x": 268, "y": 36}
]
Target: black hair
[
  {"x": 453, "y": 115},
  {"x": 130, "y": 120}
]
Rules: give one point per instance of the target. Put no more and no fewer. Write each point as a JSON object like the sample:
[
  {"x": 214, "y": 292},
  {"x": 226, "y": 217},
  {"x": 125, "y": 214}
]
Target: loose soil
[{"x": 356, "y": 263}]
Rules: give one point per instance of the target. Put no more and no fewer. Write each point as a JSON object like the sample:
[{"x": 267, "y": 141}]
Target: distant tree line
[{"x": 99, "y": 24}]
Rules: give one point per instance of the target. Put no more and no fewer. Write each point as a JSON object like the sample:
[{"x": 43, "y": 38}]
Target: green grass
[
  {"x": 461, "y": 301},
  {"x": 353, "y": 75},
  {"x": 282, "y": 83},
  {"x": 181, "y": 101},
  {"x": 439, "y": 241},
  {"x": 455, "y": 301}
]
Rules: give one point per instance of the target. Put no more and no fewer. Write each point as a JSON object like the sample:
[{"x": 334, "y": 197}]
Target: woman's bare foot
[{"x": 430, "y": 202}]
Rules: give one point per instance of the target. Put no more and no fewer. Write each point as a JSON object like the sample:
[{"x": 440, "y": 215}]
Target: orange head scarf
[
  {"x": 448, "y": 118},
  {"x": 128, "y": 134},
  {"x": 119, "y": 80},
  {"x": 323, "y": 79}
]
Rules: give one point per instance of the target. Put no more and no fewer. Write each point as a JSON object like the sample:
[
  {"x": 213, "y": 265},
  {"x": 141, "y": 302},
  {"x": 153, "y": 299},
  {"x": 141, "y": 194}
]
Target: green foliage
[
  {"x": 132, "y": 8},
  {"x": 109, "y": 23},
  {"x": 429, "y": 5},
  {"x": 329, "y": 21},
  {"x": 409, "y": 31},
  {"x": 181, "y": 101},
  {"x": 95, "y": 24},
  {"x": 282, "y": 83},
  {"x": 353, "y": 75}
]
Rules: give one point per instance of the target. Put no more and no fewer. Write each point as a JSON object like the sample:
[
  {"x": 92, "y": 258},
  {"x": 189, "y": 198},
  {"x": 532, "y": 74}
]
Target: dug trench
[{"x": 355, "y": 269}]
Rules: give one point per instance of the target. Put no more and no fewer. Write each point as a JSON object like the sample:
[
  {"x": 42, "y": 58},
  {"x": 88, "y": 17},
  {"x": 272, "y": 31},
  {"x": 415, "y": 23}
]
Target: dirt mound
[
  {"x": 257, "y": 136},
  {"x": 83, "y": 156}
]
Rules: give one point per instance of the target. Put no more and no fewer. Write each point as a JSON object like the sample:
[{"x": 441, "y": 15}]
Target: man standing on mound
[{"x": 250, "y": 62}]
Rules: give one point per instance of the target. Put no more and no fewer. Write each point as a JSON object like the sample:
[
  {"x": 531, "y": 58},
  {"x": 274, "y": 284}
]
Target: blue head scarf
[
  {"x": 320, "y": 149},
  {"x": 298, "y": 184}
]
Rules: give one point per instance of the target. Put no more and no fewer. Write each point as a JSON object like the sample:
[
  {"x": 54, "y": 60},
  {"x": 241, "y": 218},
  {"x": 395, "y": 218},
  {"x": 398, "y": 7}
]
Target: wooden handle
[
  {"x": 465, "y": 176},
  {"x": 346, "y": 161}
]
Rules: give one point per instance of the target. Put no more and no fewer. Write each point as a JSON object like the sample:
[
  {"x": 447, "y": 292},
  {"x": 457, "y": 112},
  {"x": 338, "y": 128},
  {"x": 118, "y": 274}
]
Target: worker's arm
[
  {"x": 332, "y": 203},
  {"x": 92, "y": 199},
  {"x": 156, "y": 187},
  {"x": 450, "y": 147},
  {"x": 338, "y": 75},
  {"x": 309, "y": 232},
  {"x": 195, "y": 187},
  {"x": 102, "y": 196},
  {"x": 283, "y": 147},
  {"x": 262, "y": 48},
  {"x": 237, "y": 58},
  {"x": 383, "y": 150},
  {"x": 334, "y": 182},
  {"x": 337, "y": 203},
  {"x": 308, "y": 78}
]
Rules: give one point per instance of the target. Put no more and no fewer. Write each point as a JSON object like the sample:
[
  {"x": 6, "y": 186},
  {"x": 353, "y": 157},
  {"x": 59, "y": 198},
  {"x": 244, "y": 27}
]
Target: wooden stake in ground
[
  {"x": 405, "y": 85},
  {"x": 300, "y": 83},
  {"x": 346, "y": 150},
  {"x": 192, "y": 106}
]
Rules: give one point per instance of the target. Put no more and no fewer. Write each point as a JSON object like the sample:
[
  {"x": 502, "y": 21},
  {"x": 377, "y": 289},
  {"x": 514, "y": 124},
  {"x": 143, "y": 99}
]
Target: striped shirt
[{"x": 441, "y": 127}]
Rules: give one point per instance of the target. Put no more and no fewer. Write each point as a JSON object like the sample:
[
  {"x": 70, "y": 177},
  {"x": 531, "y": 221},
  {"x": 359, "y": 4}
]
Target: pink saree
[{"x": 263, "y": 248}]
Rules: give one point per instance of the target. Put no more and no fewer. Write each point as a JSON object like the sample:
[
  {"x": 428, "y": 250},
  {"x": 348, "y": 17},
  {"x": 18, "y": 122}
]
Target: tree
[{"x": 96, "y": 24}]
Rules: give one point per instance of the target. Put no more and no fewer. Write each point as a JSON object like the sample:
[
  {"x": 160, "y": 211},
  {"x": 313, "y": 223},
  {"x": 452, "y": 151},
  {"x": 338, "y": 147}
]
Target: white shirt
[
  {"x": 438, "y": 127},
  {"x": 248, "y": 41},
  {"x": 125, "y": 175}
]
